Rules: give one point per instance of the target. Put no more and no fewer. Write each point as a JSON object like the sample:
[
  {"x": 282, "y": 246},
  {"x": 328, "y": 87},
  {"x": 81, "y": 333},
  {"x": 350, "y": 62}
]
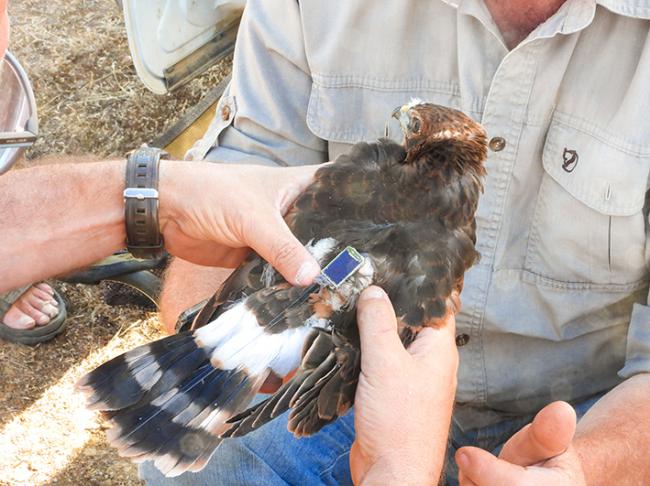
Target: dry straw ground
[{"x": 90, "y": 101}]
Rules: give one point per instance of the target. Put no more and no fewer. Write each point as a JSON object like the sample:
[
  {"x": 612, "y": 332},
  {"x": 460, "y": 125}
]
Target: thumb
[
  {"x": 377, "y": 328},
  {"x": 549, "y": 435},
  {"x": 277, "y": 245},
  {"x": 483, "y": 469}
]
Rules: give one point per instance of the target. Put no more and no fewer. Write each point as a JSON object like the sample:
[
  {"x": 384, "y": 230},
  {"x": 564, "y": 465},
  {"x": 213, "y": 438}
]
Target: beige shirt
[{"x": 556, "y": 308}]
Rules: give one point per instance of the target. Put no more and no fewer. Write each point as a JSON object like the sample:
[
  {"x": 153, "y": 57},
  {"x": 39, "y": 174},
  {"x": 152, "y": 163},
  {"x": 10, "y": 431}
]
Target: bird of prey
[{"x": 400, "y": 216}]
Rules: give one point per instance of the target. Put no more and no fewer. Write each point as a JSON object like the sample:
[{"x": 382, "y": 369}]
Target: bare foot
[{"x": 36, "y": 307}]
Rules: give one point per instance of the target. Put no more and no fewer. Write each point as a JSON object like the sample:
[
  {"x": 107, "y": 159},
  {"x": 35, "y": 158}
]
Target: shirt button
[
  {"x": 462, "y": 339},
  {"x": 225, "y": 113},
  {"x": 497, "y": 144}
]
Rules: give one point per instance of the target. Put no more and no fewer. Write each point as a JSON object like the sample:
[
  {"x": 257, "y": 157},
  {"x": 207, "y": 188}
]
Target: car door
[{"x": 172, "y": 41}]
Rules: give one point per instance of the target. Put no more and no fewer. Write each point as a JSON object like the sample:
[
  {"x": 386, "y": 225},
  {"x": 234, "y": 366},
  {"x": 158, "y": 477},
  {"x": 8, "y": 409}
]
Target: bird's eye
[{"x": 415, "y": 125}]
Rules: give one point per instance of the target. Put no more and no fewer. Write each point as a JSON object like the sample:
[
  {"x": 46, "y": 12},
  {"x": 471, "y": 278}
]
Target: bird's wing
[
  {"x": 168, "y": 400},
  {"x": 348, "y": 190},
  {"x": 419, "y": 266},
  {"x": 422, "y": 285},
  {"x": 338, "y": 192}
]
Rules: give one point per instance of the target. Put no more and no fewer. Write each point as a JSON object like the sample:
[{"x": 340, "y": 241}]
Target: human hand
[
  {"x": 211, "y": 214},
  {"x": 404, "y": 398},
  {"x": 539, "y": 454}
]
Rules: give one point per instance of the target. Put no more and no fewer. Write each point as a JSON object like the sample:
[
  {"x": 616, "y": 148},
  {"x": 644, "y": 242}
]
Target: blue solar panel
[{"x": 342, "y": 267}]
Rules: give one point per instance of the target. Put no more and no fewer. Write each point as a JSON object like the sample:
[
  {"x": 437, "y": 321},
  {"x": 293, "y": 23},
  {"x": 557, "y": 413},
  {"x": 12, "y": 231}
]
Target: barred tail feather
[{"x": 167, "y": 402}]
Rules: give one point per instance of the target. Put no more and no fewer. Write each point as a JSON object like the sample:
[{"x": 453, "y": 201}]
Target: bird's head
[{"x": 441, "y": 132}]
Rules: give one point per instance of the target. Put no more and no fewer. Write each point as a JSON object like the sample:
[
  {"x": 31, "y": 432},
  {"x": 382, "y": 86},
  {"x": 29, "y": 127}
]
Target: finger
[
  {"x": 432, "y": 344},
  {"x": 377, "y": 328},
  {"x": 298, "y": 179},
  {"x": 549, "y": 435},
  {"x": 358, "y": 463},
  {"x": 454, "y": 302},
  {"x": 464, "y": 481},
  {"x": 274, "y": 242},
  {"x": 484, "y": 469}
]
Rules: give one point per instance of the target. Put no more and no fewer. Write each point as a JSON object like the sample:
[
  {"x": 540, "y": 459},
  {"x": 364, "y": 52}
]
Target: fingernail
[
  {"x": 462, "y": 460},
  {"x": 307, "y": 273},
  {"x": 373, "y": 293}
]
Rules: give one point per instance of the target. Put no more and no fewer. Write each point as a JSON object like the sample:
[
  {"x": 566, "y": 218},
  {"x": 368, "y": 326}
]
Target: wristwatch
[{"x": 143, "y": 238}]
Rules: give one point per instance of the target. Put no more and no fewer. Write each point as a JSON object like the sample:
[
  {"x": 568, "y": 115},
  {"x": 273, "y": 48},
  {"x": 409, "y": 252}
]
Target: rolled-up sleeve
[{"x": 261, "y": 118}]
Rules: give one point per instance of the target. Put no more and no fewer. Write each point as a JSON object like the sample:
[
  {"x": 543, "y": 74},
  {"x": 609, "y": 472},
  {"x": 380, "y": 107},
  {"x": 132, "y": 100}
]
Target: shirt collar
[
  {"x": 628, "y": 8},
  {"x": 572, "y": 16},
  {"x": 639, "y": 9}
]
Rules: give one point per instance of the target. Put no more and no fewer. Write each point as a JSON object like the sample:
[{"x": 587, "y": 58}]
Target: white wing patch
[{"x": 239, "y": 342}]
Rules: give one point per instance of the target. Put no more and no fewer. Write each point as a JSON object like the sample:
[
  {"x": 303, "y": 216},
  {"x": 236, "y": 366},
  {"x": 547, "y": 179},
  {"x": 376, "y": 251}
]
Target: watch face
[{"x": 18, "y": 118}]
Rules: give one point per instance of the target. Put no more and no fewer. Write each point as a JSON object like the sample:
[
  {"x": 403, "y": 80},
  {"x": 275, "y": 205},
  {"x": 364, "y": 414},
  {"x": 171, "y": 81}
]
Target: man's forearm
[
  {"x": 613, "y": 438},
  {"x": 57, "y": 218}
]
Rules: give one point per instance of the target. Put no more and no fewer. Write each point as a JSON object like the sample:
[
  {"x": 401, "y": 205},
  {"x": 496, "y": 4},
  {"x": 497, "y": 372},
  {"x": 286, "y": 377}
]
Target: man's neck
[{"x": 518, "y": 18}]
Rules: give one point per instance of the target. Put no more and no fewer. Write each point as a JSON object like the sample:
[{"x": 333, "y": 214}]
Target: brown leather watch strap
[{"x": 143, "y": 236}]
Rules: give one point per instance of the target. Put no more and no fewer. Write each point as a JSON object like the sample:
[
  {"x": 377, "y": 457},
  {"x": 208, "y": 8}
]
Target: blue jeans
[{"x": 271, "y": 456}]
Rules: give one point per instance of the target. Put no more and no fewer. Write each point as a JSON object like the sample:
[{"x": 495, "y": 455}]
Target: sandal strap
[{"x": 8, "y": 298}]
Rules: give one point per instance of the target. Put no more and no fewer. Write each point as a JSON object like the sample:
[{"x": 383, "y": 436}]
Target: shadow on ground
[{"x": 28, "y": 371}]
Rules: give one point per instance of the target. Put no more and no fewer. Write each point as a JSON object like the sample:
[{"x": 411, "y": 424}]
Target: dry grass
[
  {"x": 89, "y": 97},
  {"x": 90, "y": 101},
  {"x": 46, "y": 435}
]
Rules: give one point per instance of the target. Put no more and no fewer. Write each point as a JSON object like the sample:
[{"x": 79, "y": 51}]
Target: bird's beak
[{"x": 401, "y": 114}]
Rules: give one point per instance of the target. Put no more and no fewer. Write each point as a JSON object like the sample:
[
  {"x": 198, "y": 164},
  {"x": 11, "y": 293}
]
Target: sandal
[
  {"x": 124, "y": 268},
  {"x": 37, "y": 334}
]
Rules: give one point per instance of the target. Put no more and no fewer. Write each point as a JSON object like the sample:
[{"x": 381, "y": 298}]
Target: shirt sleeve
[{"x": 261, "y": 118}]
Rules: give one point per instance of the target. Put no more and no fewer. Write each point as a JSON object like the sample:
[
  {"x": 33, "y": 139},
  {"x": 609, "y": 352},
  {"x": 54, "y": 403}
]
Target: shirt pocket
[
  {"x": 589, "y": 228},
  {"x": 344, "y": 110}
]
